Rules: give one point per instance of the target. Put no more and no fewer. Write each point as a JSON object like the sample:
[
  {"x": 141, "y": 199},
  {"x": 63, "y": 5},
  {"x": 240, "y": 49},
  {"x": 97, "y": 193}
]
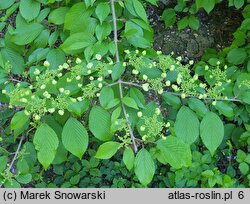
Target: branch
[
  {"x": 119, "y": 82},
  {"x": 115, "y": 31},
  {"x": 16, "y": 80},
  {"x": 127, "y": 120}
]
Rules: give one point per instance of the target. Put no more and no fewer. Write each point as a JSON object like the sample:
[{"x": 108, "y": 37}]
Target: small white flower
[
  {"x": 206, "y": 67},
  {"x": 100, "y": 79},
  {"x": 167, "y": 124},
  {"x": 179, "y": 81},
  {"x": 144, "y": 52},
  {"x": 51, "y": 110},
  {"x": 65, "y": 66},
  {"x": 139, "y": 114},
  {"x": 43, "y": 86},
  {"x": 89, "y": 72},
  {"x": 90, "y": 65},
  {"x": 110, "y": 71},
  {"x": 145, "y": 87},
  {"x": 67, "y": 92},
  {"x": 59, "y": 75},
  {"x": 98, "y": 56},
  {"x": 163, "y": 75},
  {"x": 73, "y": 100},
  {"x": 61, "y": 90},
  {"x": 61, "y": 112},
  {"x": 172, "y": 67},
  {"x": 78, "y": 61},
  {"x": 100, "y": 85},
  {"x": 31, "y": 87},
  {"x": 157, "y": 111},
  {"x": 144, "y": 137},
  {"x": 4, "y": 91},
  {"x": 46, "y": 64},
  {"x": 26, "y": 112},
  {"x": 33, "y": 97},
  {"x": 36, "y": 72},
  {"x": 168, "y": 83},
  {"x": 142, "y": 128},
  {"x": 175, "y": 87},
  {"x": 163, "y": 137},
  {"x": 37, "y": 117},
  {"x": 127, "y": 51},
  {"x": 159, "y": 52},
  {"x": 135, "y": 72},
  {"x": 69, "y": 61},
  {"x": 54, "y": 82},
  {"x": 214, "y": 103},
  {"x": 179, "y": 58},
  {"x": 195, "y": 77},
  {"x": 124, "y": 64},
  {"x": 91, "y": 78},
  {"x": 98, "y": 94},
  {"x": 225, "y": 67},
  {"x": 145, "y": 77},
  {"x": 191, "y": 62},
  {"x": 137, "y": 51},
  {"x": 79, "y": 98},
  {"x": 218, "y": 63},
  {"x": 60, "y": 68},
  {"x": 160, "y": 91},
  {"x": 183, "y": 95},
  {"x": 78, "y": 77},
  {"x": 68, "y": 80},
  {"x": 79, "y": 85}
]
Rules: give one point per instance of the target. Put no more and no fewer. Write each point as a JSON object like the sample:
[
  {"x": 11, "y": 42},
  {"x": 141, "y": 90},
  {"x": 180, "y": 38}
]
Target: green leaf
[
  {"x": 19, "y": 120},
  {"x": 76, "y": 42},
  {"x": 103, "y": 30},
  {"x": 102, "y": 11},
  {"x": 144, "y": 167},
  {"x": 172, "y": 100},
  {"x": 187, "y": 125},
  {"x": 224, "y": 108},
  {"x": 46, "y": 144},
  {"x": 175, "y": 152},
  {"x": 128, "y": 158},
  {"x": 130, "y": 102},
  {"x": 57, "y": 16},
  {"x": 238, "y": 3},
  {"x": 169, "y": 17},
  {"x": 117, "y": 71},
  {"x": 29, "y": 9},
  {"x": 100, "y": 123},
  {"x": 183, "y": 23},
  {"x": 212, "y": 131},
  {"x": 140, "y": 11},
  {"x": 106, "y": 95},
  {"x": 75, "y": 137},
  {"x": 15, "y": 59},
  {"x": 56, "y": 57},
  {"x": 26, "y": 34},
  {"x": 198, "y": 106},
  {"x": 138, "y": 96},
  {"x": 244, "y": 168},
  {"x": 3, "y": 163},
  {"x": 194, "y": 22},
  {"x": 4, "y": 4},
  {"x": 107, "y": 150},
  {"x": 24, "y": 178},
  {"x": 78, "y": 108},
  {"x": 154, "y": 2},
  {"x": 237, "y": 56}
]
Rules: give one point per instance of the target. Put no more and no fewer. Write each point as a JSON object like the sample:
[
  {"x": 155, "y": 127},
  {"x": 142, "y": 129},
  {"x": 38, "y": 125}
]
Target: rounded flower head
[
  {"x": 61, "y": 112},
  {"x": 78, "y": 61},
  {"x": 139, "y": 114},
  {"x": 36, "y": 72},
  {"x": 157, "y": 111},
  {"x": 98, "y": 56},
  {"x": 46, "y": 64},
  {"x": 145, "y": 87}
]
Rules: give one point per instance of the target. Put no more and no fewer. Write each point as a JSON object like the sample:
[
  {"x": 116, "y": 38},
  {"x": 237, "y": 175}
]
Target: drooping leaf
[
  {"x": 106, "y": 95},
  {"x": 100, "y": 123},
  {"x": 46, "y": 144},
  {"x": 144, "y": 167},
  {"x": 128, "y": 158},
  {"x": 187, "y": 125},
  {"x": 102, "y": 11},
  {"x": 75, "y": 137},
  {"x": 130, "y": 102},
  {"x": 139, "y": 9},
  {"x": 175, "y": 152},
  {"x": 29, "y": 9},
  {"x": 107, "y": 150},
  {"x": 212, "y": 131},
  {"x": 57, "y": 16}
]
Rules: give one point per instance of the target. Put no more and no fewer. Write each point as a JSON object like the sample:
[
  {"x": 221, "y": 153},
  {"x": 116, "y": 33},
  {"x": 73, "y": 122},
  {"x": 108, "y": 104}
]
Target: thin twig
[
  {"x": 188, "y": 96},
  {"x": 16, "y": 80},
  {"x": 115, "y": 31},
  {"x": 119, "y": 81}
]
